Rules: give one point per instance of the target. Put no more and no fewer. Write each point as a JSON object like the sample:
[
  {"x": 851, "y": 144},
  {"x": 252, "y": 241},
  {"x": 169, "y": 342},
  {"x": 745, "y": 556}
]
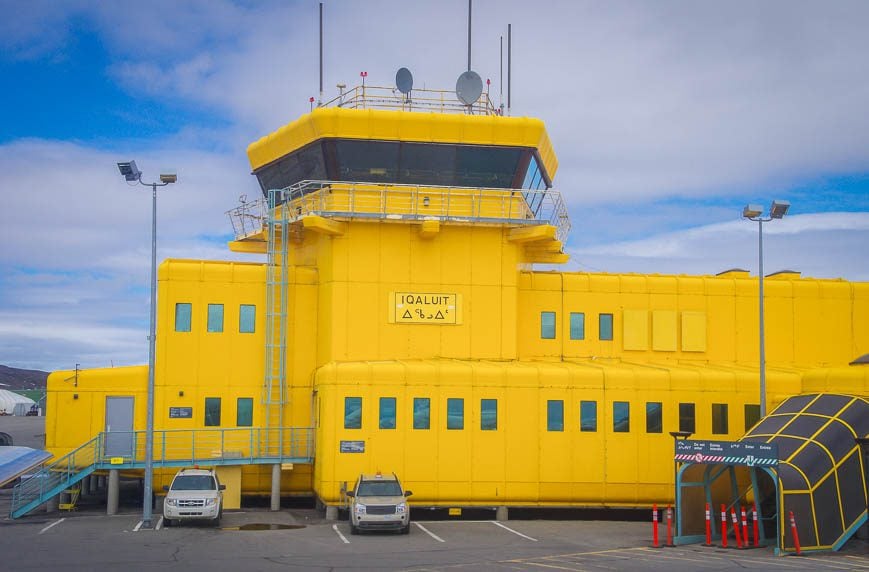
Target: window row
[
  {"x": 243, "y": 412},
  {"x": 214, "y": 323},
  {"x": 577, "y": 326},
  {"x": 588, "y": 415}
]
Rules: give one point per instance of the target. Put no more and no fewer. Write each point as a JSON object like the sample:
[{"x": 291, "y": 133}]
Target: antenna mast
[
  {"x": 501, "y": 81},
  {"x": 469, "y": 34},
  {"x": 320, "y": 101},
  {"x": 509, "y": 53}
]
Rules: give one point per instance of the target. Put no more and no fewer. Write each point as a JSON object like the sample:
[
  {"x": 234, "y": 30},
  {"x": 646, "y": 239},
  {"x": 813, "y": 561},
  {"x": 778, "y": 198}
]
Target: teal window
[
  {"x": 547, "y": 325},
  {"x": 719, "y": 418},
  {"x": 212, "y": 412},
  {"x": 421, "y": 413},
  {"x": 588, "y": 416},
  {"x": 488, "y": 414},
  {"x": 654, "y": 417},
  {"x": 387, "y": 413},
  {"x": 605, "y": 326},
  {"x": 455, "y": 413},
  {"x": 182, "y": 317},
  {"x": 577, "y": 326},
  {"x": 752, "y": 415},
  {"x": 215, "y": 318},
  {"x": 244, "y": 412},
  {"x": 246, "y": 319},
  {"x": 555, "y": 415},
  {"x": 352, "y": 413},
  {"x": 621, "y": 417},
  {"x": 687, "y": 420}
]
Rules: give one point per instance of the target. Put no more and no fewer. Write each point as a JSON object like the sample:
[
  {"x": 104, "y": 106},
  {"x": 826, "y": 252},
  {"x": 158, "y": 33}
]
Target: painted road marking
[
  {"x": 338, "y": 532},
  {"x": 55, "y": 523},
  {"x": 430, "y": 533},
  {"x": 513, "y": 531},
  {"x": 138, "y": 526},
  {"x": 159, "y": 524}
]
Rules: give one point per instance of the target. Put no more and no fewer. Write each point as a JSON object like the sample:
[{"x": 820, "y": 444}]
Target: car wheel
[
  {"x": 406, "y": 529},
  {"x": 354, "y": 529},
  {"x": 168, "y": 522}
]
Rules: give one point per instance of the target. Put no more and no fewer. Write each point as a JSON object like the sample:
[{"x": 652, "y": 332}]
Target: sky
[{"x": 667, "y": 118}]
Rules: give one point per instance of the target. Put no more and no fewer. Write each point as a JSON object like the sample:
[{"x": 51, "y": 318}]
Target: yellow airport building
[{"x": 397, "y": 323}]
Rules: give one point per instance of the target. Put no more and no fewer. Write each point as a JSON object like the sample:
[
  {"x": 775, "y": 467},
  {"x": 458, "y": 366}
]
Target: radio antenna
[
  {"x": 469, "y": 34},
  {"x": 320, "y": 101},
  {"x": 501, "y": 80},
  {"x": 509, "y": 54}
]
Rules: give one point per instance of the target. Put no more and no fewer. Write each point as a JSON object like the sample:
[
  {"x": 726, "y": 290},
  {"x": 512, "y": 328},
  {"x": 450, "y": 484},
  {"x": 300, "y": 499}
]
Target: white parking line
[
  {"x": 159, "y": 524},
  {"x": 55, "y": 523},
  {"x": 338, "y": 532},
  {"x": 513, "y": 531},
  {"x": 430, "y": 533},
  {"x": 138, "y": 526}
]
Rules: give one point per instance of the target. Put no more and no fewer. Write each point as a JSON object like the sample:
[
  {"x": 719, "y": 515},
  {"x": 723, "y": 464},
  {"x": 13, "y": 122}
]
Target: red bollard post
[
  {"x": 723, "y": 527},
  {"x": 736, "y": 528},
  {"x": 655, "y": 526},
  {"x": 794, "y": 532},
  {"x": 708, "y": 526},
  {"x": 756, "y": 535},
  {"x": 669, "y": 528},
  {"x": 744, "y": 529}
]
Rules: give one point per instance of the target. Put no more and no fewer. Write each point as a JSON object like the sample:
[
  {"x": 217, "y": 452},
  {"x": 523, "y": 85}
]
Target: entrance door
[{"x": 119, "y": 426}]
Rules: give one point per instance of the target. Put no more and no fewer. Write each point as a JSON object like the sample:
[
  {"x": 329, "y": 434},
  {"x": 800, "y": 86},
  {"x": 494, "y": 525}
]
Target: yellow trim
[
  {"x": 323, "y": 225},
  {"x": 429, "y": 228},
  {"x": 532, "y": 233},
  {"x": 335, "y": 122},
  {"x": 248, "y": 246}
]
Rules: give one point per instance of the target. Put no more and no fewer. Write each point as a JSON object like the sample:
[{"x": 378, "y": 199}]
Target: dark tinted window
[
  {"x": 488, "y": 414},
  {"x": 421, "y": 412},
  {"x": 687, "y": 420},
  {"x": 752, "y": 415},
  {"x": 588, "y": 415},
  {"x": 621, "y": 416},
  {"x": 486, "y": 166},
  {"x": 352, "y": 413},
  {"x": 719, "y": 418},
  {"x": 369, "y": 161},
  {"x": 427, "y": 164},
  {"x": 455, "y": 413},
  {"x": 555, "y": 415},
  {"x": 212, "y": 411},
  {"x": 654, "y": 422},
  {"x": 194, "y": 483},
  {"x": 305, "y": 164}
]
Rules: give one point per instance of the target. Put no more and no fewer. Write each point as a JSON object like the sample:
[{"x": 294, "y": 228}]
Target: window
[
  {"x": 212, "y": 412},
  {"x": 686, "y": 417},
  {"x": 387, "y": 413},
  {"x": 215, "y": 318},
  {"x": 588, "y": 415},
  {"x": 421, "y": 412},
  {"x": 719, "y": 419},
  {"x": 555, "y": 415},
  {"x": 577, "y": 326},
  {"x": 621, "y": 416},
  {"x": 182, "y": 317},
  {"x": 488, "y": 414},
  {"x": 352, "y": 413},
  {"x": 547, "y": 325},
  {"x": 455, "y": 413},
  {"x": 654, "y": 421},
  {"x": 752, "y": 415},
  {"x": 244, "y": 412},
  {"x": 246, "y": 319},
  {"x": 605, "y": 327}
]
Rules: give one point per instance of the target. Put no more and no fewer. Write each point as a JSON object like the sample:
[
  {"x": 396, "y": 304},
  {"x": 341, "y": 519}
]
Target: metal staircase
[{"x": 275, "y": 375}]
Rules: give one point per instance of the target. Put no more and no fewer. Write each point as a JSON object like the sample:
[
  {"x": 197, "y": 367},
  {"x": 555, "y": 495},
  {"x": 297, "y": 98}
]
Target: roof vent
[{"x": 862, "y": 360}]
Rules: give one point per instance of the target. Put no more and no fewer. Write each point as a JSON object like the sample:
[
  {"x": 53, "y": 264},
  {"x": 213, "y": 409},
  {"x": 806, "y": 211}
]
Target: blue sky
[{"x": 667, "y": 117}]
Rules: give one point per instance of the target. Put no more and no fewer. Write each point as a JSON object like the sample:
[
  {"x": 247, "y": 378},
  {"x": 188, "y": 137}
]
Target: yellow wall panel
[
  {"x": 635, "y": 333},
  {"x": 664, "y": 334},
  {"x": 693, "y": 331}
]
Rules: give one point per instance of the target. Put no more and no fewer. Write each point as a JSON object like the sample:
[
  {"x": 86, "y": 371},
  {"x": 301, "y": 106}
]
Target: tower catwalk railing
[
  {"x": 275, "y": 376},
  {"x": 401, "y": 202},
  {"x": 425, "y": 100}
]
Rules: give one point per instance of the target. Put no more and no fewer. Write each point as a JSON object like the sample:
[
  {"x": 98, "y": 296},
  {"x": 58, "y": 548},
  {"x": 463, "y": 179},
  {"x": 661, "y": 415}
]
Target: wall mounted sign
[
  {"x": 352, "y": 446},
  {"x": 425, "y": 308},
  {"x": 180, "y": 412}
]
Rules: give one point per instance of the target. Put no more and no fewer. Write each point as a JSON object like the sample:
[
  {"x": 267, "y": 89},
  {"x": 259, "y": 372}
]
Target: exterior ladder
[{"x": 274, "y": 385}]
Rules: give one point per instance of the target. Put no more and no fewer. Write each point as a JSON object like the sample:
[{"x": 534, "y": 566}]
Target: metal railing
[
  {"x": 388, "y": 201},
  {"x": 172, "y": 448},
  {"x": 427, "y": 100}
]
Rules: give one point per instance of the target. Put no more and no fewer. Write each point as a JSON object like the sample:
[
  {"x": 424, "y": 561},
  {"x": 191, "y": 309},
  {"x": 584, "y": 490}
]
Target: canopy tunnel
[{"x": 802, "y": 458}]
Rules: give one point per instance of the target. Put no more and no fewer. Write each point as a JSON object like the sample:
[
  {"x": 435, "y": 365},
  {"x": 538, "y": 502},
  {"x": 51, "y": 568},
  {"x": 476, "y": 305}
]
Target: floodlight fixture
[
  {"x": 129, "y": 170},
  {"x": 169, "y": 177},
  {"x": 779, "y": 209},
  {"x": 680, "y": 434},
  {"x": 752, "y": 211}
]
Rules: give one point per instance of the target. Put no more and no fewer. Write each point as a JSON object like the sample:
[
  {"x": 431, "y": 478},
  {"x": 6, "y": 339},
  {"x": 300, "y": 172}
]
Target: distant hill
[{"x": 13, "y": 378}]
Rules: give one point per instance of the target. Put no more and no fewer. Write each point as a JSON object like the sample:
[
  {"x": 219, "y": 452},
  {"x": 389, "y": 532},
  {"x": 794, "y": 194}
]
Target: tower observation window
[{"x": 443, "y": 164}]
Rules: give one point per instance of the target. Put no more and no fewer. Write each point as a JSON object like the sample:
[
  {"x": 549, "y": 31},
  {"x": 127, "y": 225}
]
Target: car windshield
[
  {"x": 379, "y": 489},
  {"x": 194, "y": 483}
]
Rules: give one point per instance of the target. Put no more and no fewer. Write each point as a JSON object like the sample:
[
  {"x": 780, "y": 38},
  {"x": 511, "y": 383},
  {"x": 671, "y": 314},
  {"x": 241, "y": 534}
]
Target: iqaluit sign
[
  {"x": 425, "y": 308},
  {"x": 747, "y": 453}
]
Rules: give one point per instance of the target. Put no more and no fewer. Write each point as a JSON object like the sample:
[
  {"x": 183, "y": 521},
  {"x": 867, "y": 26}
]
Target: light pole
[
  {"x": 777, "y": 210},
  {"x": 132, "y": 173}
]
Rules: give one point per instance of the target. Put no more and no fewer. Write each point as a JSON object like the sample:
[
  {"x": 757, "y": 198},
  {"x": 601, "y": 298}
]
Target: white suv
[
  {"x": 195, "y": 494},
  {"x": 379, "y": 503}
]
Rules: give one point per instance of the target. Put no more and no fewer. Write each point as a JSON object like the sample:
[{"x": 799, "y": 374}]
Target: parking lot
[{"x": 256, "y": 540}]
